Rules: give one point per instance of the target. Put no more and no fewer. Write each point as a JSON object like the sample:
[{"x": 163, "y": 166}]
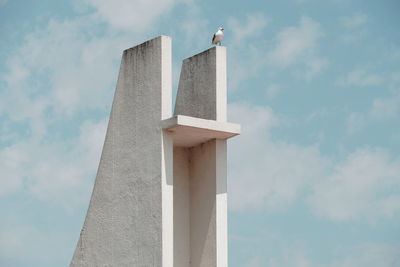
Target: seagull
[{"x": 218, "y": 36}]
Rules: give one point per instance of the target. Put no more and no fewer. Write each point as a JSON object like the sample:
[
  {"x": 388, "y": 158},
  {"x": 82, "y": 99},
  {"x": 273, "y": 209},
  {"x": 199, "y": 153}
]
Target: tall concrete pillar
[
  {"x": 200, "y": 193},
  {"x": 160, "y": 194}
]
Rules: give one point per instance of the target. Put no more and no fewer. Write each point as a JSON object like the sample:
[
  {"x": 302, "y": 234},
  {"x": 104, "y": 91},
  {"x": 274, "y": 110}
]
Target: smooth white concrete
[
  {"x": 182, "y": 235},
  {"x": 129, "y": 220},
  {"x": 220, "y": 83},
  {"x": 195, "y": 191},
  {"x": 221, "y": 202},
  {"x": 167, "y": 191},
  {"x": 202, "y": 205},
  {"x": 189, "y": 131}
]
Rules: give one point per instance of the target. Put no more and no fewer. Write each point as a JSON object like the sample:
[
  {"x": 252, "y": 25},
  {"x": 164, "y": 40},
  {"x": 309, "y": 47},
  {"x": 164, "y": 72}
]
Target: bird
[{"x": 218, "y": 36}]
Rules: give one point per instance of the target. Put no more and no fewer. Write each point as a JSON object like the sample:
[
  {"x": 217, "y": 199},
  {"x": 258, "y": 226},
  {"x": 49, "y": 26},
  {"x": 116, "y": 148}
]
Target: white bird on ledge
[{"x": 218, "y": 36}]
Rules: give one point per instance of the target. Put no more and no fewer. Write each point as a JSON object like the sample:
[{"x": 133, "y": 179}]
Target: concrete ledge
[{"x": 190, "y": 131}]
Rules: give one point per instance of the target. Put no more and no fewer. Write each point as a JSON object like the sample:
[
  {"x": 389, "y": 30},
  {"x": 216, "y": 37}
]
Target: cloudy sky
[{"x": 314, "y": 179}]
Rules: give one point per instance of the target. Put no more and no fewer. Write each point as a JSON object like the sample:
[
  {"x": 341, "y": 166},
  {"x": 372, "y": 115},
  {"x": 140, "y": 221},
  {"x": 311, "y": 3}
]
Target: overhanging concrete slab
[{"x": 189, "y": 131}]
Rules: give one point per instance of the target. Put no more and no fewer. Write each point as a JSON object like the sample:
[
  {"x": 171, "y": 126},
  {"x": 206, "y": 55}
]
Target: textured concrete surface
[
  {"x": 129, "y": 222},
  {"x": 202, "y": 85}
]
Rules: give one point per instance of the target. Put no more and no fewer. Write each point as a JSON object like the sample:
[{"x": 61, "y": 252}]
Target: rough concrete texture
[
  {"x": 200, "y": 195},
  {"x": 202, "y": 85},
  {"x": 126, "y": 223}
]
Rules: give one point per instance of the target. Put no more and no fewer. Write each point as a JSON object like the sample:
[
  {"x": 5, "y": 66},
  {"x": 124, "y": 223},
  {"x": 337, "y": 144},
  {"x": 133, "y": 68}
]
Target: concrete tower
[{"x": 160, "y": 196}]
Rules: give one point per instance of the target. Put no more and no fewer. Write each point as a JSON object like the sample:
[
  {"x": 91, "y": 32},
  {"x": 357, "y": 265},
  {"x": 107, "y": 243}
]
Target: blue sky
[{"x": 314, "y": 179}]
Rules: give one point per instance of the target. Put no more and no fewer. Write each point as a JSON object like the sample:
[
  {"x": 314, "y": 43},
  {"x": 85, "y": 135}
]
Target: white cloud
[
  {"x": 247, "y": 61},
  {"x": 294, "y": 47},
  {"x": 355, "y": 122},
  {"x": 299, "y": 45},
  {"x": 12, "y": 240},
  {"x": 395, "y": 77},
  {"x": 246, "y": 30},
  {"x": 354, "y": 21},
  {"x": 59, "y": 71},
  {"x": 370, "y": 255},
  {"x": 11, "y": 166},
  {"x": 265, "y": 173},
  {"x": 55, "y": 74},
  {"x": 385, "y": 107},
  {"x": 314, "y": 67},
  {"x": 293, "y": 43},
  {"x": 273, "y": 90},
  {"x": 130, "y": 15},
  {"x": 62, "y": 173},
  {"x": 275, "y": 173},
  {"x": 254, "y": 262},
  {"x": 360, "y": 77},
  {"x": 195, "y": 27},
  {"x": 246, "y": 49},
  {"x": 352, "y": 27},
  {"x": 361, "y": 186},
  {"x": 381, "y": 109},
  {"x": 290, "y": 257},
  {"x": 40, "y": 247}
]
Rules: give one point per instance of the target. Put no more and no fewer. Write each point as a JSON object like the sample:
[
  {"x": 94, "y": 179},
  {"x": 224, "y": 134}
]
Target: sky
[{"x": 314, "y": 178}]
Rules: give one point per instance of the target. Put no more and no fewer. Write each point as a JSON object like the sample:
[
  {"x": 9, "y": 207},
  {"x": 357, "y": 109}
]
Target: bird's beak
[{"x": 222, "y": 29}]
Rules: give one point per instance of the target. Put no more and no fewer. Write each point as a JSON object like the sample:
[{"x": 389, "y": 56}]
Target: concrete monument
[{"x": 160, "y": 196}]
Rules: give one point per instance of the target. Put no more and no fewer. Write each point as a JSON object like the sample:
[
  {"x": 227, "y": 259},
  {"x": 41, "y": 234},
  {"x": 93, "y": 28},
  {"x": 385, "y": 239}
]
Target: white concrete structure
[{"x": 160, "y": 195}]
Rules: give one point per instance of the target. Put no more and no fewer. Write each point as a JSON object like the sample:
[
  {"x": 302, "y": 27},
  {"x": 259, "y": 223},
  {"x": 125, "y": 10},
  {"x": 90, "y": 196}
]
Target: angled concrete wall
[
  {"x": 202, "y": 85},
  {"x": 200, "y": 193},
  {"x": 129, "y": 220}
]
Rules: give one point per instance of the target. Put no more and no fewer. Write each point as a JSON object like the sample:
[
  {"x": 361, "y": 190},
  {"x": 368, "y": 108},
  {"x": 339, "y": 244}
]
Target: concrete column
[
  {"x": 129, "y": 220},
  {"x": 200, "y": 193}
]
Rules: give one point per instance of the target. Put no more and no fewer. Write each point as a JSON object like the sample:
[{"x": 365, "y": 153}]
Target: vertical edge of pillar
[
  {"x": 167, "y": 201},
  {"x": 166, "y": 76},
  {"x": 221, "y": 203},
  {"x": 221, "y": 84},
  {"x": 167, "y": 156}
]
